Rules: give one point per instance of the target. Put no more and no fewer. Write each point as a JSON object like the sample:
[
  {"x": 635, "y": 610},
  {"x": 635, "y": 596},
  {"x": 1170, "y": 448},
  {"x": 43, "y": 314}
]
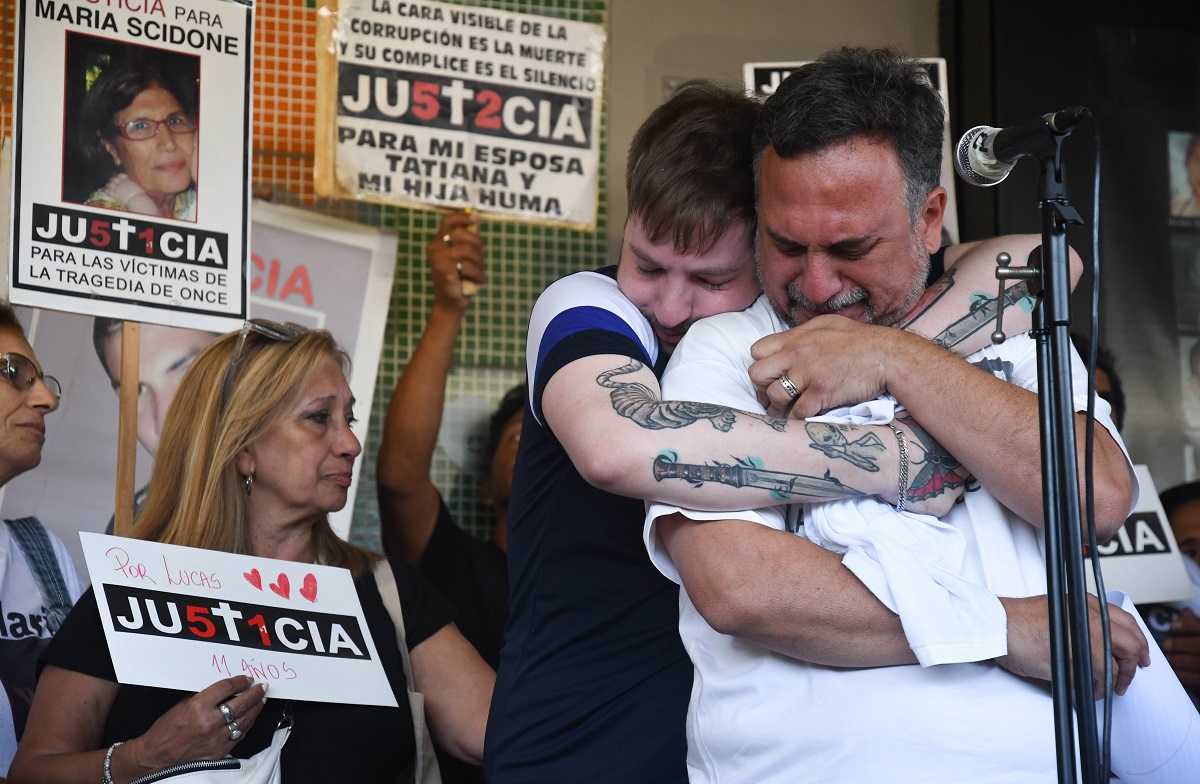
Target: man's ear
[{"x": 929, "y": 222}]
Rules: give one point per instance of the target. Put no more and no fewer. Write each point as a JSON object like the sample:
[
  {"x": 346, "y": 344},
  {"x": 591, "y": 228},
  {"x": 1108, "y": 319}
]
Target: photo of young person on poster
[
  {"x": 131, "y": 137},
  {"x": 164, "y": 353}
]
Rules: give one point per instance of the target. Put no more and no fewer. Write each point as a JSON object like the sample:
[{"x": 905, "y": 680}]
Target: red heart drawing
[
  {"x": 309, "y": 591},
  {"x": 254, "y": 578},
  {"x": 281, "y": 586}
]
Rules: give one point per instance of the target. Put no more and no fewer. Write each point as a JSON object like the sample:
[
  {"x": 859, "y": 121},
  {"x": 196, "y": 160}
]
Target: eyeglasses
[
  {"x": 282, "y": 333},
  {"x": 142, "y": 128},
  {"x": 22, "y": 373}
]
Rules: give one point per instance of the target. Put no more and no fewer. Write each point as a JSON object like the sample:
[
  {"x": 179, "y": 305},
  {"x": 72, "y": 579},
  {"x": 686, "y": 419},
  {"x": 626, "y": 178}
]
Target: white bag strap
[
  {"x": 386, "y": 581},
  {"x": 425, "y": 769}
]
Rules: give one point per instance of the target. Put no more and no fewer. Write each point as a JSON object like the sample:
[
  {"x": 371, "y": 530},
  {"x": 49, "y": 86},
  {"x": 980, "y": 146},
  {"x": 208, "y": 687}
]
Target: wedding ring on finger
[
  {"x": 446, "y": 239},
  {"x": 226, "y": 711},
  {"x": 788, "y": 386},
  {"x": 235, "y": 732}
]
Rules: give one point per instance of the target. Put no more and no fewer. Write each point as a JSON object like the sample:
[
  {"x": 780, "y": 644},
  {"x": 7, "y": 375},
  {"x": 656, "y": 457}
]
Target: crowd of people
[{"x": 762, "y": 509}]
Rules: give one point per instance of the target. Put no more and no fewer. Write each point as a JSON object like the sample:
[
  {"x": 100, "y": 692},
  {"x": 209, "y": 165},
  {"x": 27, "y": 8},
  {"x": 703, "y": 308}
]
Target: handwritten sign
[
  {"x": 445, "y": 105},
  {"x": 182, "y": 618}
]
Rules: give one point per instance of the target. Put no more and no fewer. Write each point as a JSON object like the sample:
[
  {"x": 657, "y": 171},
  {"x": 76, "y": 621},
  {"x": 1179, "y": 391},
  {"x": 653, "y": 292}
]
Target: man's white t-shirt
[{"x": 757, "y": 716}]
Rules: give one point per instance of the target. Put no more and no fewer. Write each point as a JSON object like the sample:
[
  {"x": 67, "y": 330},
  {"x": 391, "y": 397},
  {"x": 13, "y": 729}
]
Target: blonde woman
[{"x": 256, "y": 451}]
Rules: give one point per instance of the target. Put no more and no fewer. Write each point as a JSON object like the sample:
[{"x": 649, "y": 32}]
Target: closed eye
[
  {"x": 785, "y": 246},
  {"x": 856, "y": 254},
  {"x": 855, "y": 249}
]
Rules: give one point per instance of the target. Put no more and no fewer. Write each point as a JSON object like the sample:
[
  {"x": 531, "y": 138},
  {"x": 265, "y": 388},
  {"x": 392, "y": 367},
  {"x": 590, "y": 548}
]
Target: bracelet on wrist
[
  {"x": 108, "y": 779},
  {"x": 902, "y": 499}
]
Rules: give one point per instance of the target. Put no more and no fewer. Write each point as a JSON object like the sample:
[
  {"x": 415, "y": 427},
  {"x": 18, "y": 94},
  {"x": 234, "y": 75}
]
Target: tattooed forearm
[
  {"x": 937, "y": 469},
  {"x": 982, "y": 315},
  {"x": 746, "y": 473},
  {"x": 639, "y": 403},
  {"x": 832, "y": 441}
]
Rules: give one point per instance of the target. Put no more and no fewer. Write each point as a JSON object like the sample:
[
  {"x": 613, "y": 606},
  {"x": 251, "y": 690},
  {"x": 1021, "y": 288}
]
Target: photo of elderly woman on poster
[{"x": 135, "y": 131}]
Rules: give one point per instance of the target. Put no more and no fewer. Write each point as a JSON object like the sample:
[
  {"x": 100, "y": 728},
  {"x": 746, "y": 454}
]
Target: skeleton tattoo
[
  {"x": 830, "y": 439},
  {"x": 637, "y": 402}
]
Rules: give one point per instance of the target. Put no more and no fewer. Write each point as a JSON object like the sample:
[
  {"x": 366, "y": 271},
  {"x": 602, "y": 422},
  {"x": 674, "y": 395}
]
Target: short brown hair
[{"x": 690, "y": 168}]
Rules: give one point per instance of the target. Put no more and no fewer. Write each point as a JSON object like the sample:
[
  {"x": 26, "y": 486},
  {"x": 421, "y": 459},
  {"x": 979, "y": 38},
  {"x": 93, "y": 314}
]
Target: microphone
[{"x": 986, "y": 155}]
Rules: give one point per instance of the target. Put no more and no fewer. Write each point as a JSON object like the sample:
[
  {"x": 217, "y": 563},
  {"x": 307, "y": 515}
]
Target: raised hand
[{"x": 456, "y": 260}]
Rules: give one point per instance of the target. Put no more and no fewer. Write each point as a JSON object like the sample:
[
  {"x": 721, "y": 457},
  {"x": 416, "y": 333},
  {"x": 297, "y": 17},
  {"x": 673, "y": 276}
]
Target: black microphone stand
[{"x": 1067, "y": 596}]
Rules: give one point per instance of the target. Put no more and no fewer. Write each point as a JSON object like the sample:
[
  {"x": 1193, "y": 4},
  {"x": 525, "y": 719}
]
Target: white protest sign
[
  {"x": 762, "y": 79},
  {"x": 305, "y": 267},
  {"x": 131, "y": 160},
  {"x": 183, "y": 618},
  {"x": 451, "y": 106},
  {"x": 1143, "y": 559}
]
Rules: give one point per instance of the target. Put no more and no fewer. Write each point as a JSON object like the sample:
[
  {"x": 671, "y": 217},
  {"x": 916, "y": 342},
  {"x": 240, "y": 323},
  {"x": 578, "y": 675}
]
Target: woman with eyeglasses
[
  {"x": 137, "y": 130},
  {"x": 256, "y": 450},
  {"x": 36, "y": 591}
]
